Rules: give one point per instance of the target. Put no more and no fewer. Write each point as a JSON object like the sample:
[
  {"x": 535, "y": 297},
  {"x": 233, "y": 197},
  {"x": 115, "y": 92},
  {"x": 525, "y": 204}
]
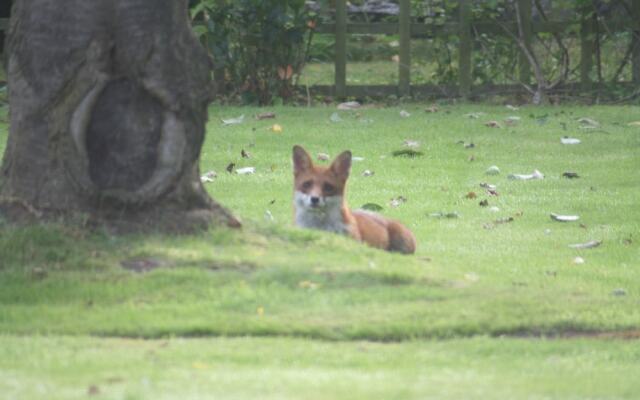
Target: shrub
[{"x": 258, "y": 46}]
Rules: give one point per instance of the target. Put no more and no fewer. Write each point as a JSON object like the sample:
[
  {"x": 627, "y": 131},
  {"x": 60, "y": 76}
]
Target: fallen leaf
[
  {"x": 397, "y": 201},
  {"x": 588, "y": 245},
  {"x": 268, "y": 216},
  {"x": 564, "y": 218},
  {"x": 404, "y": 114},
  {"x": 141, "y": 265},
  {"x": 233, "y": 121},
  {"x": 349, "y": 105},
  {"x": 199, "y": 365},
  {"x": 308, "y": 285},
  {"x": 527, "y": 177},
  {"x": 230, "y": 167},
  {"x": 492, "y": 124},
  {"x": 323, "y": 157},
  {"x": 570, "y": 175},
  {"x": 209, "y": 176},
  {"x": 372, "y": 207},
  {"x": 93, "y": 390},
  {"x": 619, "y": 292},
  {"x": 276, "y": 128},
  {"x": 411, "y": 143},
  {"x": 245, "y": 170},
  {"x": 569, "y": 140},
  {"x": 471, "y": 195},
  {"x": 512, "y": 120},
  {"x": 449, "y": 215},
  {"x": 578, "y": 260},
  {"x": 474, "y": 115},
  {"x": 431, "y": 109},
  {"x": 245, "y": 154},
  {"x": 540, "y": 119},
  {"x": 588, "y": 123},
  {"x": 407, "y": 153},
  {"x": 265, "y": 115},
  {"x": 367, "y": 172}
]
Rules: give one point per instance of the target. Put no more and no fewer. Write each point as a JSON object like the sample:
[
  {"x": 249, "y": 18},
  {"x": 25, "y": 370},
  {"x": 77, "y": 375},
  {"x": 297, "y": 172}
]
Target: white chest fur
[{"x": 327, "y": 216}]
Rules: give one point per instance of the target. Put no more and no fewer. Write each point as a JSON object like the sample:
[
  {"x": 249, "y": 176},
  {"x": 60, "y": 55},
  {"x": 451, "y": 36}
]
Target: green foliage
[{"x": 258, "y": 47}]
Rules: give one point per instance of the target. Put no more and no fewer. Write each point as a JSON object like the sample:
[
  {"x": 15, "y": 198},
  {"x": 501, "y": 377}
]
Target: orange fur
[{"x": 320, "y": 203}]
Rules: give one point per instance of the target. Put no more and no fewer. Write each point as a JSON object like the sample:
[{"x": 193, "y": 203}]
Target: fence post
[
  {"x": 635, "y": 39},
  {"x": 404, "y": 72},
  {"x": 524, "y": 69},
  {"x": 464, "y": 61},
  {"x": 341, "y": 49},
  {"x": 586, "y": 47}
]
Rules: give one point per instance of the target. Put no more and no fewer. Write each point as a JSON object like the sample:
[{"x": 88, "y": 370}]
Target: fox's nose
[{"x": 315, "y": 200}]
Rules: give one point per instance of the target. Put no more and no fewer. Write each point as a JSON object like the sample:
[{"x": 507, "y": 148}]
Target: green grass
[
  {"x": 67, "y": 367},
  {"x": 324, "y": 296}
]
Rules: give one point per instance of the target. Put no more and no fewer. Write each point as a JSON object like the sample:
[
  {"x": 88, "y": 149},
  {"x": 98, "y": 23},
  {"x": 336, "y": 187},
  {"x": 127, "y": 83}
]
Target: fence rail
[{"x": 465, "y": 27}]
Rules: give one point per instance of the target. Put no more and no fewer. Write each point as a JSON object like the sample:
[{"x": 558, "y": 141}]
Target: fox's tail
[{"x": 401, "y": 239}]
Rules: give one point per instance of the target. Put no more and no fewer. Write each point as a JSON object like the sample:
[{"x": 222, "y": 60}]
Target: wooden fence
[{"x": 406, "y": 29}]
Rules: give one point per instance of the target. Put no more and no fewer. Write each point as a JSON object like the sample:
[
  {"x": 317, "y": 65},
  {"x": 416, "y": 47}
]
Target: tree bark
[{"x": 108, "y": 103}]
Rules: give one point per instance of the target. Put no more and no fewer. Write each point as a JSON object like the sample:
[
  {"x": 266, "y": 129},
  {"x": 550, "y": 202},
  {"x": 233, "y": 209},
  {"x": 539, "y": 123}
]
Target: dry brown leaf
[{"x": 265, "y": 115}]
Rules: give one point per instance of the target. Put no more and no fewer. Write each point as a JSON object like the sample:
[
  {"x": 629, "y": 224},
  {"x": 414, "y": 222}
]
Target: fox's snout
[{"x": 313, "y": 202}]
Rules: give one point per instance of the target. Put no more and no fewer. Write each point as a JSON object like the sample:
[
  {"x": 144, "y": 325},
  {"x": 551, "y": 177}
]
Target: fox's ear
[
  {"x": 342, "y": 164},
  {"x": 301, "y": 160}
]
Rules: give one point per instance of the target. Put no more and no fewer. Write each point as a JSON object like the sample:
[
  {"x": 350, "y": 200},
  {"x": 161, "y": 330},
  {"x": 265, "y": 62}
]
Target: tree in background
[{"x": 108, "y": 104}]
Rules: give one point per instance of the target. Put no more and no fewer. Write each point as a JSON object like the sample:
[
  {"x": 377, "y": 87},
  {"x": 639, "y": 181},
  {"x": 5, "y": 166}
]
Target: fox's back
[{"x": 384, "y": 233}]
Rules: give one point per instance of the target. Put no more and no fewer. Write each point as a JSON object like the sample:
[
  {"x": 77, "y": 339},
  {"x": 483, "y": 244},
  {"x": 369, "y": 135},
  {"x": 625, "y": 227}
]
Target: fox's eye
[
  {"x": 328, "y": 188},
  {"x": 307, "y": 185}
]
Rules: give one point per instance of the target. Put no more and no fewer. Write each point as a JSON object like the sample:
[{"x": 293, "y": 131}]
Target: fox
[{"x": 320, "y": 203}]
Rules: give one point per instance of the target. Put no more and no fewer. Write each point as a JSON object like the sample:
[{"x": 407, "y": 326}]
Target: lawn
[{"x": 492, "y": 305}]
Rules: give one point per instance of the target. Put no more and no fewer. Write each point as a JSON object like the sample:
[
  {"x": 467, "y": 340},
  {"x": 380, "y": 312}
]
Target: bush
[{"x": 258, "y": 46}]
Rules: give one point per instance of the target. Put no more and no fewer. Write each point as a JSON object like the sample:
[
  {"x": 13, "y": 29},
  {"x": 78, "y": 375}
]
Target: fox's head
[{"x": 316, "y": 187}]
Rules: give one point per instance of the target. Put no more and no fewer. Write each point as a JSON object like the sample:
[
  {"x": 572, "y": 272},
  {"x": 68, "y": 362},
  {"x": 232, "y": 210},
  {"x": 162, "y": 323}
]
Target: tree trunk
[{"x": 108, "y": 103}]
